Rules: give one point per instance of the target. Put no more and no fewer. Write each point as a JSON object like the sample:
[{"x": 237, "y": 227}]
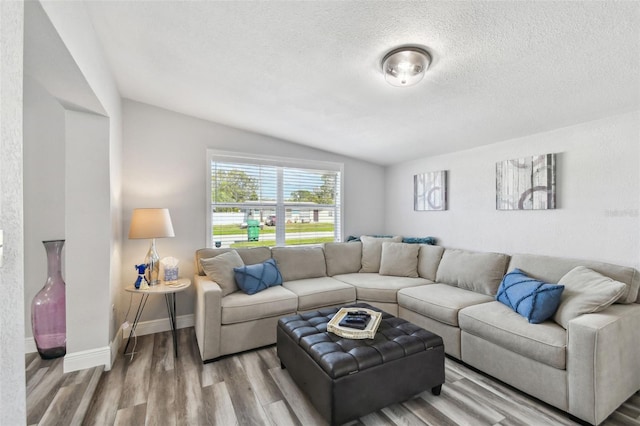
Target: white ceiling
[{"x": 309, "y": 72}]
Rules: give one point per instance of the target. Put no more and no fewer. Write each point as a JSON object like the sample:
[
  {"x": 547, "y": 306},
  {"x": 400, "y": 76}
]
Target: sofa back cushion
[
  {"x": 399, "y": 259},
  {"x": 343, "y": 258},
  {"x": 296, "y": 263},
  {"x": 250, "y": 256},
  {"x": 428, "y": 261},
  {"x": 551, "y": 269},
  {"x": 372, "y": 251},
  {"x": 476, "y": 271}
]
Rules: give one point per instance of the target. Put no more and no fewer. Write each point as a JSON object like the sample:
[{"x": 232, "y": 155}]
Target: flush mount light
[{"x": 405, "y": 66}]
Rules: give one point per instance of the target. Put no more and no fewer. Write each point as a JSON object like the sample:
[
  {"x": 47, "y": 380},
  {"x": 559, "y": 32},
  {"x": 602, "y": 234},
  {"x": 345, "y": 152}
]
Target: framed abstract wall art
[
  {"x": 527, "y": 183},
  {"x": 430, "y": 191}
]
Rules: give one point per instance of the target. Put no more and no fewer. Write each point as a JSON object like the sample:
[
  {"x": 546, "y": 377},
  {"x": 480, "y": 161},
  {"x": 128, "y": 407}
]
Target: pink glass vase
[{"x": 48, "y": 314}]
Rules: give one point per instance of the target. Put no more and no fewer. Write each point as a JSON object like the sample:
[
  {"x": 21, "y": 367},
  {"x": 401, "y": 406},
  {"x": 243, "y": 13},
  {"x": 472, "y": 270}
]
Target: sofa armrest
[
  {"x": 208, "y": 314},
  {"x": 603, "y": 361}
]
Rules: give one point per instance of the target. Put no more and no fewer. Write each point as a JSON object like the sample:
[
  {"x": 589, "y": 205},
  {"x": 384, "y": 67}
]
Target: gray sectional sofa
[{"x": 587, "y": 369}]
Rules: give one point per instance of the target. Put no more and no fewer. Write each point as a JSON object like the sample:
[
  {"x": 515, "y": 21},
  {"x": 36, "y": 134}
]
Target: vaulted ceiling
[{"x": 309, "y": 71}]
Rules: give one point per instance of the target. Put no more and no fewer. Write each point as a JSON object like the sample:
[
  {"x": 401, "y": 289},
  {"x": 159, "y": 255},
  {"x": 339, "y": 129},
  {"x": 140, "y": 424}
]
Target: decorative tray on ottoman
[{"x": 352, "y": 333}]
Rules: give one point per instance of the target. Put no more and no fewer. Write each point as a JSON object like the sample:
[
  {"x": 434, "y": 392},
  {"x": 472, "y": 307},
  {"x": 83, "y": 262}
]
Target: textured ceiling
[{"x": 309, "y": 72}]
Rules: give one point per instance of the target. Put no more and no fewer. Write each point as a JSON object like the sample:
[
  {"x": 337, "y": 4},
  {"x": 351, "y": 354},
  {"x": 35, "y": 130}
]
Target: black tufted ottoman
[{"x": 346, "y": 379}]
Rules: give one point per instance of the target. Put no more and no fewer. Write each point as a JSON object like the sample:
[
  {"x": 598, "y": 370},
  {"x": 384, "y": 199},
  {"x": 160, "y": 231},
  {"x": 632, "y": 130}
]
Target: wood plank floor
[
  {"x": 153, "y": 388},
  {"x": 54, "y": 398}
]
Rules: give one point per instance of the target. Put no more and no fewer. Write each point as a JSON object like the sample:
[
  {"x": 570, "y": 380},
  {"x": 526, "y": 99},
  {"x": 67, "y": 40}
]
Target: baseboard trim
[
  {"x": 114, "y": 345},
  {"x": 30, "y": 345},
  {"x": 107, "y": 355},
  {"x": 160, "y": 325},
  {"x": 83, "y": 359},
  {"x": 87, "y": 359}
]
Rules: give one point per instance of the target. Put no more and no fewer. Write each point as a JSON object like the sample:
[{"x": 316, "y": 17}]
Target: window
[{"x": 271, "y": 201}]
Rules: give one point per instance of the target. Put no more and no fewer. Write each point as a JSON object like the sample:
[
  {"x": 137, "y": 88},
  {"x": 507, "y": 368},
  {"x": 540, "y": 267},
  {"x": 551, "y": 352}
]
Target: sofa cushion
[
  {"x": 428, "y": 261},
  {"x": 343, "y": 258},
  {"x": 241, "y": 307},
  {"x": 535, "y": 300},
  {"x": 586, "y": 291},
  {"x": 551, "y": 269},
  {"x": 372, "y": 287},
  {"x": 254, "y": 278},
  {"x": 297, "y": 263},
  {"x": 476, "y": 271},
  {"x": 220, "y": 270},
  {"x": 250, "y": 256},
  {"x": 320, "y": 292},
  {"x": 440, "y": 302},
  {"x": 498, "y": 324},
  {"x": 399, "y": 259},
  {"x": 372, "y": 251}
]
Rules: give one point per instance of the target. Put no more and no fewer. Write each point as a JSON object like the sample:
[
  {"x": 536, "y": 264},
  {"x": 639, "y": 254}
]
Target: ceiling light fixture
[{"x": 405, "y": 66}]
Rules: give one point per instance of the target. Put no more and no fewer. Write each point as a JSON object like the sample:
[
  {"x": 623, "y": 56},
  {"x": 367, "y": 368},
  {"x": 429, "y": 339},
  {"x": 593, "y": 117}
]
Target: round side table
[{"x": 169, "y": 291}]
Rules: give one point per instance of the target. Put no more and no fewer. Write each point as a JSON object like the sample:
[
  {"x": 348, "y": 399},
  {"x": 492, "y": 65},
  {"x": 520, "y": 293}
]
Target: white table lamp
[{"x": 151, "y": 223}]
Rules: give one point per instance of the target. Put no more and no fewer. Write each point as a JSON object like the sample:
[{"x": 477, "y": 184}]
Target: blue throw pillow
[
  {"x": 254, "y": 278},
  {"x": 351, "y": 238},
  {"x": 409, "y": 240},
  {"x": 535, "y": 300},
  {"x": 420, "y": 240}
]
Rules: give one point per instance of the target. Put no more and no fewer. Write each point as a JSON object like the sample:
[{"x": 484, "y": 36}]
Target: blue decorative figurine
[{"x": 141, "y": 282}]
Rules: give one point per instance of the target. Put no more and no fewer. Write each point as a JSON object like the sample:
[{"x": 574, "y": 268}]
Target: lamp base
[{"x": 153, "y": 264}]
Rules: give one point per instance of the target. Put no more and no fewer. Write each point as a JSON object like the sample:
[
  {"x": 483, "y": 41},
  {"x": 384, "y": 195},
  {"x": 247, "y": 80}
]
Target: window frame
[{"x": 279, "y": 162}]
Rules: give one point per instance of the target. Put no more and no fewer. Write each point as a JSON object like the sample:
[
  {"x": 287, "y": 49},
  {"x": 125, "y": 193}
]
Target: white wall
[
  {"x": 44, "y": 185},
  {"x": 87, "y": 218},
  {"x": 164, "y": 165},
  {"x": 598, "y": 191},
  {"x": 72, "y": 24},
  {"x": 66, "y": 196},
  {"x": 12, "y": 373}
]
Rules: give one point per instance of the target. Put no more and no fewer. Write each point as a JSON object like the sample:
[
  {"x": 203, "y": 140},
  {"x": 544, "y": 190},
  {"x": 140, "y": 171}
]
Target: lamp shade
[{"x": 151, "y": 223}]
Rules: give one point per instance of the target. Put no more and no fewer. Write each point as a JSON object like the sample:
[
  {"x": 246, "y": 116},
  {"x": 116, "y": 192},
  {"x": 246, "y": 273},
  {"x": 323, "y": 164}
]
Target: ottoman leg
[{"x": 436, "y": 390}]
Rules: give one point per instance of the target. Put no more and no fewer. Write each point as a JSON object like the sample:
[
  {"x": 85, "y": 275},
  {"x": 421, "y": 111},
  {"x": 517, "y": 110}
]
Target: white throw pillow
[
  {"x": 399, "y": 259},
  {"x": 220, "y": 270},
  {"x": 372, "y": 252},
  {"x": 586, "y": 291}
]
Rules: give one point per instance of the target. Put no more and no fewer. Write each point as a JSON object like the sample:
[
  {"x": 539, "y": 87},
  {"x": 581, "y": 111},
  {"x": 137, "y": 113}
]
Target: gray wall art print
[
  {"x": 527, "y": 183},
  {"x": 430, "y": 191}
]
